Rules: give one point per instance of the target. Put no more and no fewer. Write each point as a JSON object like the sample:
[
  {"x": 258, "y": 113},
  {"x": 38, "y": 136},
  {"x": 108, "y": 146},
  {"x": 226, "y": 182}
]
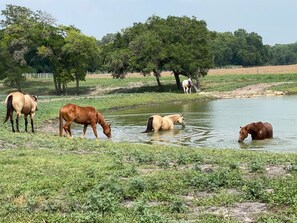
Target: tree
[
  {"x": 187, "y": 46},
  {"x": 16, "y": 42},
  {"x": 80, "y": 52},
  {"x": 239, "y": 48},
  {"x": 179, "y": 44}
]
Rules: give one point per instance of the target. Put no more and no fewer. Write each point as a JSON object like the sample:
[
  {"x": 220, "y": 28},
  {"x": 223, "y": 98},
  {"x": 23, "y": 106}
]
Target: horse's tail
[
  {"x": 60, "y": 123},
  {"x": 9, "y": 107},
  {"x": 149, "y": 126}
]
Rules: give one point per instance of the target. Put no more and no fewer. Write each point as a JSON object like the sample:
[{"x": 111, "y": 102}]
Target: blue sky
[{"x": 274, "y": 20}]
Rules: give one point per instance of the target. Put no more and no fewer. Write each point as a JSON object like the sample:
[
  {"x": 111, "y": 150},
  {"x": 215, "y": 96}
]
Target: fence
[{"x": 38, "y": 75}]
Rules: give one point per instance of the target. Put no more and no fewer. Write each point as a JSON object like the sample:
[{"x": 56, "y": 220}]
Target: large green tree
[
  {"x": 178, "y": 44},
  {"x": 80, "y": 52}
]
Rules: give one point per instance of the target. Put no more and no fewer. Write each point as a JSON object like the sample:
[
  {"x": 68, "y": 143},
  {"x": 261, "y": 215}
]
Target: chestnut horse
[
  {"x": 187, "y": 85},
  {"x": 21, "y": 104},
  {"x": 258, "y": 131},
  {"x": 157, "y": 122},
  {"x": 82, "y": 115}
]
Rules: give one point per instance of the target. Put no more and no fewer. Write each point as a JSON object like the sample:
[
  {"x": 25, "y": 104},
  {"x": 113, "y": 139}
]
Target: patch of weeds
[
  {"x": 112, "y": 187},
  {"x": 292, "y": 168},
  {"x": 197, "y": 167},
  {"x": 256, "y": 167},
  {"x": 102, "y": 202},
  {"x": 136, "y": 186},
  {"x": 128, "y": 172},
  {"x": 143, "y": 214},
  {"x": 182, "y": 159},
  {"x": 211, "y": 218},
  {"x": 178, "y": 206},
  {"x": 215, "y": 180},
  {"x": 164, "y": 163},
  {"x": 255, "y": 190},
  {"x": 274, "y": 218},
  {"x": 234, "y": 166},
  {"x": 144, "y": 158}
]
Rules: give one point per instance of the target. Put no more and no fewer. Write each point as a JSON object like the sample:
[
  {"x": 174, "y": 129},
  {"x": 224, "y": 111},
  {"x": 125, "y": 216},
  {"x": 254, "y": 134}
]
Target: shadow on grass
[{"x": 46, "y": 88}]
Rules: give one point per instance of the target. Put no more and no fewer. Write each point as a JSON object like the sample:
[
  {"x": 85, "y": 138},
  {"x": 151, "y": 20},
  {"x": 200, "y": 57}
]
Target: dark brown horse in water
[
  {"x": 82, "y": 115},
  {"x": 258, "y": 131},
  {"x": 22, "y": 104}
]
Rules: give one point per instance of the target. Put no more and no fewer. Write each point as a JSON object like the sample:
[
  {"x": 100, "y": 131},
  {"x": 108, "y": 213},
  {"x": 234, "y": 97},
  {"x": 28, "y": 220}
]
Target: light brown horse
[
  {"x": 21, "y": 104},
  {"x": 82, "y": 115},
  {"x": 157, "y": 122},
  {"x": 258, "y": 131}
]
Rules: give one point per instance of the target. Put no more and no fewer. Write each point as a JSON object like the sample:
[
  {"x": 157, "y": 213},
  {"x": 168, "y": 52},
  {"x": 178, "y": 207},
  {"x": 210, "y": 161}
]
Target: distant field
[
  {"x": 284, "y": 69},
  {"x": 281, "y": 69}
]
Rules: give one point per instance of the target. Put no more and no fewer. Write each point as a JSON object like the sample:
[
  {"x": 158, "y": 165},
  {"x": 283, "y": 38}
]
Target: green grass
[{"x": 45, "y": 178}]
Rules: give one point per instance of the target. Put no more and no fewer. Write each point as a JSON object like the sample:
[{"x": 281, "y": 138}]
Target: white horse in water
[{"x": 187, "y": 85}]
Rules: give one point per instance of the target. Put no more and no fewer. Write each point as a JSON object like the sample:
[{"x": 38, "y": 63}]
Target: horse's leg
[
  {"x": 95, "y": 130},
  {"x": 17, "y": 121},
  {"x": 26, "y": 123},
  {"x": 32, "y": 122},
  {"x": 11, "y": 121},
  {"x": 84, "y": 130},
  {"x": 66, "y": 128}
]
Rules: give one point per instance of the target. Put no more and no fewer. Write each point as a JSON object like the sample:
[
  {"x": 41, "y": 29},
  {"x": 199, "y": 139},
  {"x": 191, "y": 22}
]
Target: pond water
[{"x": 211, "y": 124}]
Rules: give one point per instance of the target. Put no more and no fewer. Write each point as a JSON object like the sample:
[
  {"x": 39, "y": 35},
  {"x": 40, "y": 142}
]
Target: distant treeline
[
  {"x": 32, "y": 42},
  {"x": 247, "y": 49}
]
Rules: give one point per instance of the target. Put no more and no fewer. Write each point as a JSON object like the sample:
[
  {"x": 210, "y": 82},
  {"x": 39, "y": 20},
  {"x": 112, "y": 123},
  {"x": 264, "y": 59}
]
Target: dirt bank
[{"x": 255, "y": 90}]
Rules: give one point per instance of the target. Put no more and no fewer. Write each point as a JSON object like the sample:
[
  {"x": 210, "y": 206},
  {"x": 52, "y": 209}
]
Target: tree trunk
[
  {"x": 77, "y": 83},
  {"x": 177, "y": 80},
  {"x": 158, "y": 75},
  {"x": 197, "y": 86},
  {"x": 56, "y": 85}
]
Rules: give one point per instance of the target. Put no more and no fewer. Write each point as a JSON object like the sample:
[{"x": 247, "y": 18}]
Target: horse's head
[
  {"x": 180, "y": 120},
  {"x": 34, "y": 102},
  {"x": 243, "y": 133},
  {"x": 107, "y": 130}
]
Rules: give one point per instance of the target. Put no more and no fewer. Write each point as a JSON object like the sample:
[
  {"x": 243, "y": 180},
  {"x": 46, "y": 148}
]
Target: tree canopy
[
  {"x": 178, "y": 44},
  {"x": 32, "y": 42}
]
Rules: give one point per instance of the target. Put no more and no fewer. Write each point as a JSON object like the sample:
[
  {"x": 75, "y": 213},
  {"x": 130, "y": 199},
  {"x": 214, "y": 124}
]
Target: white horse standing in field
[{"x": 187, "y": 85}]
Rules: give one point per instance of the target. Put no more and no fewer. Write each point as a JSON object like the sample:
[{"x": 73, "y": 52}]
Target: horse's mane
[{"x": 101, "y": 120}]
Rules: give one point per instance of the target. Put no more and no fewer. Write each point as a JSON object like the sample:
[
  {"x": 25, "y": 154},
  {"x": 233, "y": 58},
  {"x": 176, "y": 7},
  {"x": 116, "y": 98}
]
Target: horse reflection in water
[
  {"x": 166, "y": 137},
  {"x": 156, "y": 122},
  {"x": 258, "y": 131}
]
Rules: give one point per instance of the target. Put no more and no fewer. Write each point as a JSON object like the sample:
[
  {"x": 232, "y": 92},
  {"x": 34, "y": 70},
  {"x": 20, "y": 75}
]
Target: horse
[
  {"x": 157, "y": 122},
  {"x": 82, "y": 115},
  {"x": 258, "y": 131},
  {"x": 187, "y": 85},
  {"x": 22, "y": 104}
]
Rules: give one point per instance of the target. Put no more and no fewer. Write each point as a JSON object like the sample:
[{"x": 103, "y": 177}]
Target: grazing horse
[
  {"x": 82, "y": 115},
  {"x": 22, "y": 104},
  {"x": 187, "y": 85},
  {"x": 258, "y": 130},
  {"x": 157, "y": 122}
]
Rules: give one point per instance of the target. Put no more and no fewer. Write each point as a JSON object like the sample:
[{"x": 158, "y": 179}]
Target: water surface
[{"x": 212, "y": 124}]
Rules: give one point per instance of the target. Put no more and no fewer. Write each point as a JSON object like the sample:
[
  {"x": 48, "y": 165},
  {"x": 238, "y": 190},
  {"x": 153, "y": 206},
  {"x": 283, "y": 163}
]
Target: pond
[{"x": 211, "y": 123}]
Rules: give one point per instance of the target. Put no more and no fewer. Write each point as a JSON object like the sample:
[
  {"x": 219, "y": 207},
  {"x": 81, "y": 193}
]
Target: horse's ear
[{"x": 35, "y": 97}]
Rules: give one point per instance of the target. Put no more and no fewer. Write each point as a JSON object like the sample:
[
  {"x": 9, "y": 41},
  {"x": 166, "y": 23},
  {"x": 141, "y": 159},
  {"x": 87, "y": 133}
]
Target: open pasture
[{"x": 47, "y": 178}]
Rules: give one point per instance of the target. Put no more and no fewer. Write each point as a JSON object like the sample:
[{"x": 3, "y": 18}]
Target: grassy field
[{"x": 45, "y": 178}]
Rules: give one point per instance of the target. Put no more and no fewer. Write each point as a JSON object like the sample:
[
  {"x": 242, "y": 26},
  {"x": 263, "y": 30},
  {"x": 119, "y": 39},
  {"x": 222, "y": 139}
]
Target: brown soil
[{"x": 247, "y": 91}]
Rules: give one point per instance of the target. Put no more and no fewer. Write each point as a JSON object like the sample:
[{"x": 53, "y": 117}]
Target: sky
[{"x": 274, "y": 20}]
